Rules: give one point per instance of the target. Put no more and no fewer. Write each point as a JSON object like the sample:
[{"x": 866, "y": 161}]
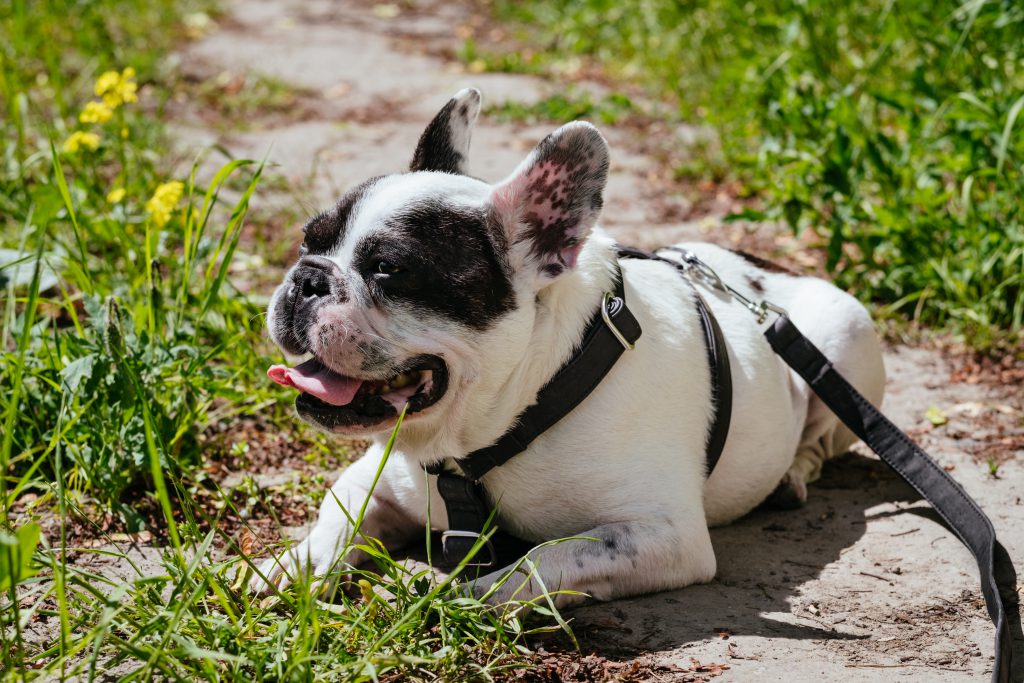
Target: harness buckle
[
  {"x": 615, "y": 304},
  {"x": 456, "y": 545}
]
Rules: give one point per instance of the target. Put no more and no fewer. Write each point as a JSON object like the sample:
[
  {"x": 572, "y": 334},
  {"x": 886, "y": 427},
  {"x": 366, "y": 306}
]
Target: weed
[
  {"x": 993, "y": 467},
  {"x": 239, "y": 99},
  {"x": 609, "y": 109},
  {"x": 124, "y": 343}
]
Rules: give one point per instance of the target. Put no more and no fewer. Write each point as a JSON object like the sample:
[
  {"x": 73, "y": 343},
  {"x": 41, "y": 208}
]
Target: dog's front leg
[
  {"x": 607, "y": 562},
  {"x": 329, "y": 547}
]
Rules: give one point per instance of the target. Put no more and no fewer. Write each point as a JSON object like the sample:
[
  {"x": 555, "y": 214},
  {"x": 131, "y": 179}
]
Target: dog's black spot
[
  {"x": 376, "y": 358},
  {"x": 435, "y": 151},
  {"x": 552, "y": 269},
  {"x": 612, "y": 542},
  {"x": 549, "y": 235},
  {"x": 450, "y": 260},
  {"x": 325, "y": 230},
  {"x": 763, "y": 264},
  {"x": 756, "y": 284}
]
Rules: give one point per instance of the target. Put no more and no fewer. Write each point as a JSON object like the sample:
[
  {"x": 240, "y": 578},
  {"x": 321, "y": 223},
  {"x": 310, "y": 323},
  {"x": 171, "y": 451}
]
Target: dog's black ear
[
  {"x": 549, "y": 204},
  {"x": 444, "y": 145}
]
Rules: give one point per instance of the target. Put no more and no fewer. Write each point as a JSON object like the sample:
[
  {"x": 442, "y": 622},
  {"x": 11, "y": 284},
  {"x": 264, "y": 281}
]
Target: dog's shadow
[{"x": 763, "y": 560}]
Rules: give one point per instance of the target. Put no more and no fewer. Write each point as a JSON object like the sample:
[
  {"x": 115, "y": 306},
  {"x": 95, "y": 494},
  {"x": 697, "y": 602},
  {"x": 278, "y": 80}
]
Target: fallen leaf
[{"x": 935, "y": 415}]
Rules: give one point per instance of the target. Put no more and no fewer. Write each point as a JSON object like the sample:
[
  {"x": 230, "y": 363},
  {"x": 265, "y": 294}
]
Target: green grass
[
  {"x": 610, "y": 109},
  {"x": 891, "y": 130},
  {"x": 125, "y": 349}
]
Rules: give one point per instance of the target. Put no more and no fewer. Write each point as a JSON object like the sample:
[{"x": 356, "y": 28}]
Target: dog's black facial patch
[
  {"x": 325, "y": 231},
  {"x": 440, "y": 258},
  {"x": 763, "y": 264}
]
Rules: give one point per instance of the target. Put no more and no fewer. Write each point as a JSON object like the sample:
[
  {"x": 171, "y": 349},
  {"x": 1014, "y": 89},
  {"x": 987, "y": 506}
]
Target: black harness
[{"x": 613, "y": 330}]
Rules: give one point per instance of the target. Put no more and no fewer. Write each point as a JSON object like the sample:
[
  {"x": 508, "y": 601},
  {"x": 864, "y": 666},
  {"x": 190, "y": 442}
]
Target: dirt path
[{"x": 854, "y": 586}]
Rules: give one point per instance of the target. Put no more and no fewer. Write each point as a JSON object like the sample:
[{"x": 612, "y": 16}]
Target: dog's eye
[{"x": 388, "y": 268}]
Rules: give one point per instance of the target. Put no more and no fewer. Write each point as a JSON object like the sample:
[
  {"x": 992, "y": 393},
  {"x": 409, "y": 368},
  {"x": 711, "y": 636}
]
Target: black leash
[{"x": 960, "y": 512}]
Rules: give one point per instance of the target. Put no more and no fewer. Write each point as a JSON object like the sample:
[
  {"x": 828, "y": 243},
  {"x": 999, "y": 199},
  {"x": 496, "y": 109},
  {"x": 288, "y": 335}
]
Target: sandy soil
[{"x": 861, "y": 584}]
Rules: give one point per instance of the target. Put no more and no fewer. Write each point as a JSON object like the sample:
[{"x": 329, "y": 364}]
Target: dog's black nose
[
  {"x": 314, "y": 280},
  {"x": 313, "y": 277}
]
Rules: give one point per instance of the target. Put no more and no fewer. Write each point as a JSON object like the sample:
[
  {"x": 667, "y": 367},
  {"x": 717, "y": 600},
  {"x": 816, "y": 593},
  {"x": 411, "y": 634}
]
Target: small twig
[
  {"x": 904, "y": 533},
  {"x": 876, "y": 576}
]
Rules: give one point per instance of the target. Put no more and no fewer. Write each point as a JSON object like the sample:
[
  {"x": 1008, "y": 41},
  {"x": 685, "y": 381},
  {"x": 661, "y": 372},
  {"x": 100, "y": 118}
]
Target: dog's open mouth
[{"x": 333, "y": 400}]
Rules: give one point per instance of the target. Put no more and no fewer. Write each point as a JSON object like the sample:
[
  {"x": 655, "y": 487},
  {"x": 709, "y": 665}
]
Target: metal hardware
[
  {"x": 693, "y": 266},
  {"x": 610, "y": 298},
  {"x": 490, "y": 561}
]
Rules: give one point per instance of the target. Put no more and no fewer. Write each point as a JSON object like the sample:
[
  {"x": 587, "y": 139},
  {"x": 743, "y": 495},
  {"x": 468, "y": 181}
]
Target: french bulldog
[{"x": 460, "y": 299}]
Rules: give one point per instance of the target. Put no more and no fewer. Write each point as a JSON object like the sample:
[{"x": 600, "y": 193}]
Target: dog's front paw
[{"x": 311, "y": 561}]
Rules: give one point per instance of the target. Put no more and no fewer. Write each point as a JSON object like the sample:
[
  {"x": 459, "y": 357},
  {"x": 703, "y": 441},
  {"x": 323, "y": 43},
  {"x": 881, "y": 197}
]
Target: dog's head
[{"x": 414, "y": 285}]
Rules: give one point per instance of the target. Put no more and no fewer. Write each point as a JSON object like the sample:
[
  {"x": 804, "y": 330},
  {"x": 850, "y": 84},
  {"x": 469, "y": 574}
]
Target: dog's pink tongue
[{"x": 314, "y": 378}]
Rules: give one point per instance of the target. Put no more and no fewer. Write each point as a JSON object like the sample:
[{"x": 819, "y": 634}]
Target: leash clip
[
  {"x": 693, "y": 264},
  {"x": 615, "y": 304}
]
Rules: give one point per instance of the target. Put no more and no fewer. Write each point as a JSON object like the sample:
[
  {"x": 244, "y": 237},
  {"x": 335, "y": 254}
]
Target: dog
[{"x": 435, "y": 289}]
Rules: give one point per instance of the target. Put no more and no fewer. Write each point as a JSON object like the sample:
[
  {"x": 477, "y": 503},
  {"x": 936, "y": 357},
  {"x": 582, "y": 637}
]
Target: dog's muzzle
[{"x": 313, "y": 281}]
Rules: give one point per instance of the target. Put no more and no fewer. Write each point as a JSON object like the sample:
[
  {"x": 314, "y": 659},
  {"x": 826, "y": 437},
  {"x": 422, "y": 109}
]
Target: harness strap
[
  {"x": 596, "y": 355},
  {"x": 468, "y": 511},
  {"x": 718, "y": 360},
  {"x": 960, "y": 512},
  {"x": 721, "y": 384}
]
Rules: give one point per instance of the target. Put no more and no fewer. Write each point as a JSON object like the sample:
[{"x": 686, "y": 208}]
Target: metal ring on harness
[{"x": 609, "y": 307}]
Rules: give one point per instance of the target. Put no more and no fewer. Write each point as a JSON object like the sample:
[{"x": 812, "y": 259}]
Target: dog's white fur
[{"x": 627, "y": 466}]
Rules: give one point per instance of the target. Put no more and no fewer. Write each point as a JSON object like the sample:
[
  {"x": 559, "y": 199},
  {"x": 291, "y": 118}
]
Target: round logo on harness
[{"x": 614, "y": 306}]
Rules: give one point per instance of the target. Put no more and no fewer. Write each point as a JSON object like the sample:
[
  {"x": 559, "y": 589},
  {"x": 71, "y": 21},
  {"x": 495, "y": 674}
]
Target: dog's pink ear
[
  {"x": 551, "y": 202},
  {"x": 444, "y": 145}
]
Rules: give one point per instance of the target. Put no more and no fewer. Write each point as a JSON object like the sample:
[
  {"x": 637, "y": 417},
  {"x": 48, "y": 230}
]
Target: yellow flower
[
  {"x": 116, "y": 195},
  {"x": 107, "y": 81},
  {"x": 78, "y": 139},
  {"x": 164, "y": 199},
  {"x": 117, "y": 88},
  {"x": 95, "y": 112}
]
